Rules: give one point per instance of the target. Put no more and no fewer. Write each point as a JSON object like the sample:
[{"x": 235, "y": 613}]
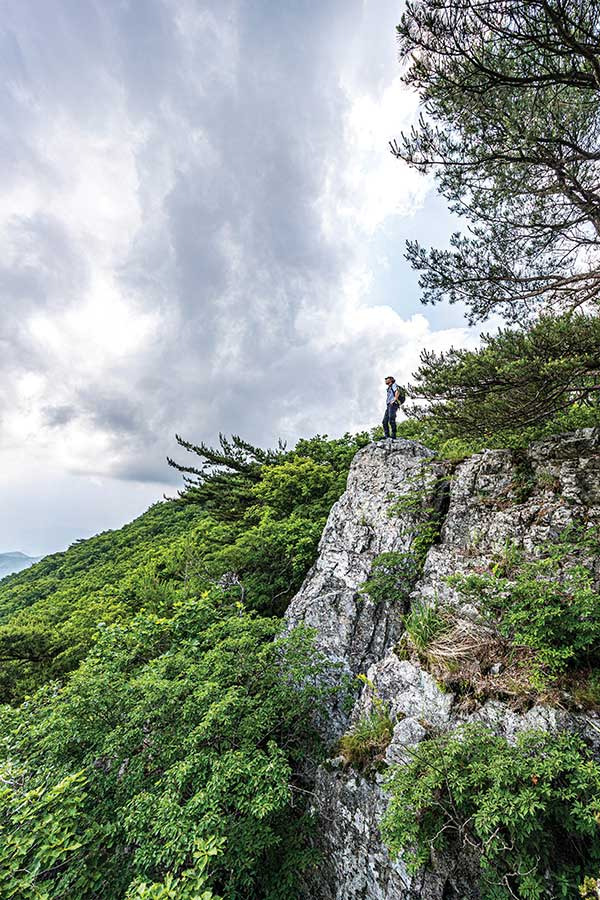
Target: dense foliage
[
  {"x": 176, "y": 731},
  {"x": 50, "y": 612},
  {"x": 431, "y": 431},
  {"x": 164, "y": 718},
  {"x": 549, "y": 605},
  {"x": 531, "y": 812},
  {"x": 262, "y": 547}
]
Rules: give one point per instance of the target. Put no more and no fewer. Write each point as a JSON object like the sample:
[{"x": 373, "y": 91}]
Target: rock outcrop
[
  {"x": 361, "y": 525},
  {"x": 493, "y": 501}
]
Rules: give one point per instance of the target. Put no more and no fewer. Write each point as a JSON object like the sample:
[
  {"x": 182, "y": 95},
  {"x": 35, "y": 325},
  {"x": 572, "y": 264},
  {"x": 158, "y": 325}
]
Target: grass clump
[
  {"x": 531, "y": 811},
  {"x": 586, "y": 689},
  {"x": 365, "y": 744},
  {"x": 423, "y": 624}
]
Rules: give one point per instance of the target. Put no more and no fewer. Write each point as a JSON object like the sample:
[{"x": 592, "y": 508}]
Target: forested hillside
[
  {"x": 162, "y": 716},
  {"x": 252, "y": 526}
]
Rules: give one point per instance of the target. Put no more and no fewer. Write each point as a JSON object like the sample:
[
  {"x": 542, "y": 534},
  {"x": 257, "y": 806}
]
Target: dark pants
[{"x": 389, "y": 419}]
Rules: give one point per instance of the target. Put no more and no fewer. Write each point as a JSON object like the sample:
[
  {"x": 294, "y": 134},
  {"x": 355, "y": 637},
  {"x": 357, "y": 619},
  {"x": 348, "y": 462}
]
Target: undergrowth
[
  {"x": 549, "y": 606},
  {"x": 423, "y": 624},
  {"x": 531, "y": 811},
  {"x": 536, "y": 634}
]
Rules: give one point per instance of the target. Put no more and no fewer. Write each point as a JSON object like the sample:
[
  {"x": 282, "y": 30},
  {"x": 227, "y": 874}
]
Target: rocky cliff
[{"x": 493, "y": 501}]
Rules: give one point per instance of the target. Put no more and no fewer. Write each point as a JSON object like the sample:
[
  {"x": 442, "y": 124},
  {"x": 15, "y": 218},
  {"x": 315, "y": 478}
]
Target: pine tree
[
  {"x": 517, "y": 379},
  {"x": 221, "y": 482},
  {"x": 510, "y": 129}
]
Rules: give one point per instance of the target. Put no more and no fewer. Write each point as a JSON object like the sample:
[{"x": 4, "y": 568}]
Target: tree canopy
[
  {"x": 166, "y": 766},
  {"x": 517, "y": 379},
  {"x": 510, "y": 128}
]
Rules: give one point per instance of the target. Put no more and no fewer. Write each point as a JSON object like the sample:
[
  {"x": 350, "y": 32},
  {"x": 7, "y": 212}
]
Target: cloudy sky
[{"x": 201, "y": 230}]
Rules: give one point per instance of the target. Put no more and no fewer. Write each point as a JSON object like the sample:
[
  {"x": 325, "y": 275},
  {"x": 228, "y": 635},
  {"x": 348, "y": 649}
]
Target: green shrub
[
  {"x": 45, "y": 833},
  {"x": 426, "y": 536},
  {"x": 392, "y": 577},
  {"x": 270, "y": 560},
  {"x": 187, "y": 885},
  {"x": 185, "y": 730},
  {"x": 530, "y": 810},
  {"x": 457, "y": 449},
  {"x": 434, "y": 433},
  {"x": 423, "y": 624},
  {"x": 549, "y": 605}
]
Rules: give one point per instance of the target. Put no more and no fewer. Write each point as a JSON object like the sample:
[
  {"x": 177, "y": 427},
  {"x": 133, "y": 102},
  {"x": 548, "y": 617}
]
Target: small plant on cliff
[
  {"x": 365, "y": 744},
  {"x": 549, "y": 605},
  {"x": 421, "y": 503},
  {"x": 394, "y": 574},
  {"x": 531, "y": 811},
  {"x": 423, "y": 624},
  {"x": 392, "y": 577}
]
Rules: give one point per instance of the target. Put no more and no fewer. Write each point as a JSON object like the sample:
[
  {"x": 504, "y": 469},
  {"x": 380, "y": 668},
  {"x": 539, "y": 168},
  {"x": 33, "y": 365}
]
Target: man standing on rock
[{"x": 395, "y": 396}]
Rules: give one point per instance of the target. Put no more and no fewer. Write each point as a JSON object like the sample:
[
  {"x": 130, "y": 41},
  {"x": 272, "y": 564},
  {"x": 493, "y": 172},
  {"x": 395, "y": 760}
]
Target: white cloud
[
  {"x": 190, "y": 231},
  {"x": 378, "y": 185}
]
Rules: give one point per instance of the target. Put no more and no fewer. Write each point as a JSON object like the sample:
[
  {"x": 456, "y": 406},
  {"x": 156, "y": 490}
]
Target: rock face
[
  {"x": 497, "y": 500},
  {"x": 361, "y": 525}
]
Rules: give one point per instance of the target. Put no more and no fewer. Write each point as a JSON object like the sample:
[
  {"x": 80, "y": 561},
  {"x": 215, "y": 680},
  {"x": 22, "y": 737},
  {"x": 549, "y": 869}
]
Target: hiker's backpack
[{"x": 401, "y": 394}]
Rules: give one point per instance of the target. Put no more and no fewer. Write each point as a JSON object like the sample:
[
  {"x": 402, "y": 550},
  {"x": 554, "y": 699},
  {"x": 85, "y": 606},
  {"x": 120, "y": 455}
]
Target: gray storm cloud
[{"x": 177, "y": 251}]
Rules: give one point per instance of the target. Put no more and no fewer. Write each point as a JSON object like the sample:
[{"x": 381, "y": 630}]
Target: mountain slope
[
  {"x": 51, "y": 613},
  {"x": 15, "y": 562}
]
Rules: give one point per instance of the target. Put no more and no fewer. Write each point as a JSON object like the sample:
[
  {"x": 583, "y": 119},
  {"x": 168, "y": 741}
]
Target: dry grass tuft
[
  {"x": 466, "y": 644},
  {"x": 470, "y": 658}
]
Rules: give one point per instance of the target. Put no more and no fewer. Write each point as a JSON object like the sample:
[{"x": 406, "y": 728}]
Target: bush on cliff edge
[{"x": 530, "y": 810}]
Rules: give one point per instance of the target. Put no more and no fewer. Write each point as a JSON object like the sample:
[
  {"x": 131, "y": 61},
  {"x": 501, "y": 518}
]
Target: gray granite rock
[
  {"x": 350, "y": 627},
  {"x": 355, "y": 863},
  {"x": 407, "y": 734},
  {"x": 407, "y": 691},
  {"x": 498, "y": 499}
]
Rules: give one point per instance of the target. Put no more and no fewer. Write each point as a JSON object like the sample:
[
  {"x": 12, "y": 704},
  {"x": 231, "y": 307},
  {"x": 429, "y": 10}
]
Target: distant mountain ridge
[{"x": 15, "y": 561}]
